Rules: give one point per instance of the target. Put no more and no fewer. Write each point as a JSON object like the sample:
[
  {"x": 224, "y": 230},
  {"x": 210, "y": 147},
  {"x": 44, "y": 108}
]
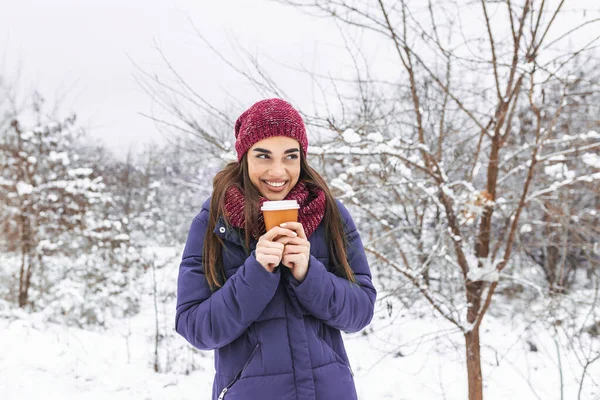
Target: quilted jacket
[{"x": 274, "y": 337}]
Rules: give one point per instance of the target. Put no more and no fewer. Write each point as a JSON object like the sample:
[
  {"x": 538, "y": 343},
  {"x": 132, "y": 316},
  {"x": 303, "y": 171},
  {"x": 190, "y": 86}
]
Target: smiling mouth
[{"x": 275, "y": 184}]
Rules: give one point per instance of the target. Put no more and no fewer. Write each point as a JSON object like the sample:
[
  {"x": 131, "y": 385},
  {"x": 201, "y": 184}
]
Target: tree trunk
[
  {"x": 157, "y": 331},
  {"x": 474, "y": 365},
  {"x": 21, "y": 275},
  {"x": 25, "y": 272},
  {"x": 24, "y": 280}
]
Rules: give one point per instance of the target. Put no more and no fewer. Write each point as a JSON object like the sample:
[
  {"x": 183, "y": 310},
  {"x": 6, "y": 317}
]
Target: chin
[{"x": 274, "y": 196}]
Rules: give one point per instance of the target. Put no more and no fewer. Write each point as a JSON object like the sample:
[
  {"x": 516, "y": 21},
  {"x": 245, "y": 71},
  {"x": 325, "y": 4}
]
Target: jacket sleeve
[
  {"x": 210, "y": 320},
  {"x": 338, "y": 302}
]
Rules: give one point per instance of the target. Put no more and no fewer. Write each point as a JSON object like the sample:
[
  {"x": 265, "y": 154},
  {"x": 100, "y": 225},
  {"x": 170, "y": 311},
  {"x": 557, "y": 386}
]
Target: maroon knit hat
[{"x": 265, "y": 119}]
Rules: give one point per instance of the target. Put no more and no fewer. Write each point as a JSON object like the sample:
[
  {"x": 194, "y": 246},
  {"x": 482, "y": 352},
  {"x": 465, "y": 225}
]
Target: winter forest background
[{"x": 468, "y": 155}]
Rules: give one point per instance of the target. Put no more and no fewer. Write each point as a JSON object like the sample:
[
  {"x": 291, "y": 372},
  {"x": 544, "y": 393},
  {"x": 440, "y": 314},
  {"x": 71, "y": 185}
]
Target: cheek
[
  {"x": 253, "y": 171},
  {"x": 295, "y": 172}
]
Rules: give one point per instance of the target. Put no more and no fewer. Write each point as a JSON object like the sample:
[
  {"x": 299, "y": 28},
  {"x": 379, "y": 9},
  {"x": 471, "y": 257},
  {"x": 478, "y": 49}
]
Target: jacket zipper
[
  {"x": 340, "y": 359},
  {"x": 239, "y": 374}
]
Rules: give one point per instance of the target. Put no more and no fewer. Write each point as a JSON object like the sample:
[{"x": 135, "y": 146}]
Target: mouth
[{"x": 275, "y": 186}]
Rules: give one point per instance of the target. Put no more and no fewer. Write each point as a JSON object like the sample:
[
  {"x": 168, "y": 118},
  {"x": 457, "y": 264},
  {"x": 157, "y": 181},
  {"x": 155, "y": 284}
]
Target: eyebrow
[{"x": 288, "y": 151}]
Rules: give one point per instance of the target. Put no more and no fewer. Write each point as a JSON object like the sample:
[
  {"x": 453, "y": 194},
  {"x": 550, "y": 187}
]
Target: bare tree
[
  {"x": 451, "y": 156},
  {"x": 464, "y": 98},
  {"x": 35, "y": 173}
]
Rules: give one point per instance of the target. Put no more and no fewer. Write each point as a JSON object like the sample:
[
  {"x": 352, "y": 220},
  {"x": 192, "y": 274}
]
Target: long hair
[{"x": 236, "y": 174}]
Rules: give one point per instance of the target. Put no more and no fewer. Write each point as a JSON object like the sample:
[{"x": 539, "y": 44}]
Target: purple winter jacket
[{"x": 274, "y": 338}]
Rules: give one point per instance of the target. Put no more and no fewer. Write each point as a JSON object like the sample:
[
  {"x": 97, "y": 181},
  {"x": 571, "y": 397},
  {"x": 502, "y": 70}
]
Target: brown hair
[{"x": 236, "y": 173}]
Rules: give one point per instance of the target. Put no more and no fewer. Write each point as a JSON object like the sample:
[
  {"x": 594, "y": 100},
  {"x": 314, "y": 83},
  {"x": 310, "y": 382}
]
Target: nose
[{"x": 277, "y": 169}]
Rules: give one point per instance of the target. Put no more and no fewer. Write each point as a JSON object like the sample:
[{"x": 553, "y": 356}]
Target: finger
[
  {"x": 286, "y": 240},
  {"x": 271, "y": 251},
  {"x": 271, "y": 260},
  {"x": 288, "y": 262},
  {"x": 277, "y": 231},
  {"x": 293, "y": 249},
  {"x": 293, "y": 259},
  {"x": 296, "y": 227},
  {"x": 266, "y": 244}
]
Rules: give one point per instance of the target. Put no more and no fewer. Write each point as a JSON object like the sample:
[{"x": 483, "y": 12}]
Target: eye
[
  {"x": 293, "y": 156},
  {"x": 262, "y": 156}
]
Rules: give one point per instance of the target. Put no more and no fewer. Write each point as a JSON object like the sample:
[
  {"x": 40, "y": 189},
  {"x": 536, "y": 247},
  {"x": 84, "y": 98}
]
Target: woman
[{"x": 272, "y": 304}]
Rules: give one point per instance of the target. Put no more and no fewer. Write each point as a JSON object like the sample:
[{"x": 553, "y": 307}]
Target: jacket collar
[
  {"x": 229, "y": 233},
  {"x": 222, "y": 230}
]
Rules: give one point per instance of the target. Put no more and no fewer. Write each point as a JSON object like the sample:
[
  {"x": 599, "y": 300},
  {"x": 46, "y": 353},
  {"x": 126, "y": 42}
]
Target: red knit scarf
[{"x": 311, "y": 199}]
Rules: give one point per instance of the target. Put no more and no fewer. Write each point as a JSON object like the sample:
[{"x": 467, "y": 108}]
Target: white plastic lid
[{"x": 280, "y": 205}]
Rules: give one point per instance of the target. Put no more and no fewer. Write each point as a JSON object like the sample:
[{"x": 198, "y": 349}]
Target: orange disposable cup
[{"x": 278, "y": 212}]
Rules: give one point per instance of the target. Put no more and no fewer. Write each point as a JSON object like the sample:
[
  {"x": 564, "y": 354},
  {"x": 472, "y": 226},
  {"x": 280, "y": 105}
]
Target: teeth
[{"x": 275, "y": 184}]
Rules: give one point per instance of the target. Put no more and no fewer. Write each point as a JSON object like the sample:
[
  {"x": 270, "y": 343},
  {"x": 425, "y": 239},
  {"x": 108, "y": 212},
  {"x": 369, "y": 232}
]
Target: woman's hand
[
  {"x": 270, "y": 252},
  {"x": 296, "y": 253}
]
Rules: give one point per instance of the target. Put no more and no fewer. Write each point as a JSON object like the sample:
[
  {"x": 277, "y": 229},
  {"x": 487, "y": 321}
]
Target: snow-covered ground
[{"x": 410, "y": 355}]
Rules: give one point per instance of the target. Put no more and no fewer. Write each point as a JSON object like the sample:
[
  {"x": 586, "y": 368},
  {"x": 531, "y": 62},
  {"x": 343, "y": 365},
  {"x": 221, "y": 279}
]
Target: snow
[
  {"x": 482, "y": 274},
  {"x": 356, "y": 170},
  {"x": 374, "y": 167},
  {"x": 375, "y": 137},
  {"x": 486, "y": 273},
  {"x": 409, "y": 359},
  {"x": 402, "y": 170},
  {"x": 526, "y": 228},
  {"x": 317, "y": 151},
  {"x": 25, "y": 136},
  {"x": 556, "y": 185},
  {"x": 350, "y": 136},
  {"x": 121, "y": 237},
  {"x": 593, "y": 135},
  {"x": 582, "y": 136},
  {"x": 472, "y": 260},
  {"x": 591, "y": 159},
  {"x": 477, "y": 168},
  {"x": 53, "y": 198},
  {"x": 63, "y": 157},
  {"x": 454, "y": 237},
  {"x": 24, "y": 188},
  {"x": 559, "y": 157},
  {"x": 342, "y": 185},
  {"x": 228, "y": 156},
  {"x": 47, "y": 245},
  {"x": 80, "y": 172},
  {"x": 559, "y": 171},
  {"x": 408, "y": 353}
]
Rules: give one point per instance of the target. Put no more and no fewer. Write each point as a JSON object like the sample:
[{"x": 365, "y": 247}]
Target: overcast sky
[{"x": 80, "y": 51}]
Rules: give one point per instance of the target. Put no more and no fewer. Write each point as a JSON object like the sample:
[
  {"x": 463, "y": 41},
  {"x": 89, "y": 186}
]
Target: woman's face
[{"x": 274, "y": 166}]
